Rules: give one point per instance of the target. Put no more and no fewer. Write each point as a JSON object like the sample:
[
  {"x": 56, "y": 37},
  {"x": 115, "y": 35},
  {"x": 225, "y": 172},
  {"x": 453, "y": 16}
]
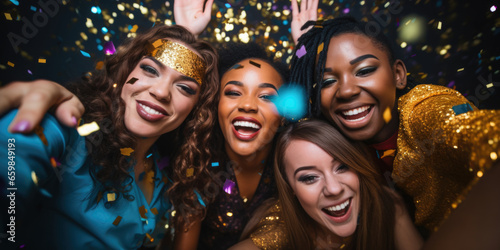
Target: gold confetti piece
[
  {"x": 158, "y": 43},
  {"x": 34, "y": 177},
  {"x": 53, "y": 162},
  {"x": 479, "y": 173},
  {"x": 440, "y": 24},
  {"x": 387, "y": 115},
  {"x": 229, "y": 214},
  {"x": 245, "y": 200},
  {"x": 493, "y": 155},
  {"x": 389, "y": 152},
  {"x": 454, "y": 205},
  {"x": 154, "y": 211},
  {"x": 255, "y": 64},
  {"x": 111, "y": 197},
  {"x": 166, "y": 226},
  {"x": 143, "y": 211},
  {"x": 320, "y": 47},
  {"x": 114, "y": 85},
  {"x": 41, "y": 60},
  {"x": 10, "y": 64},
  {"x": 173, "y": 213},
  {"x": 126, "y": 151},
  {"x": 189, "y": 172},
  {"x": 39, "y": 131},
  {"x": 149, "y": 237},
  {"x": 8, "y": 16},
  {"x": 461, "y": 69},
  {"x": 87, "y": 129},
  {"x": 99, "y": 65},
  {"x": 132, "y": 80},
  {"x": 489, "y": 85},
  {"x": 117, "y": 220},
  {"x": 134, "y": 28}
]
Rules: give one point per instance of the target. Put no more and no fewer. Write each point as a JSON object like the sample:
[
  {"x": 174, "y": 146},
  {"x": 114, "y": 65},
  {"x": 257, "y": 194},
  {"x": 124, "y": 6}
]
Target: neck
[
  {"x": 388, "y": 130},
  {"x": 142, "y": 147},
  {"x": 249, "y": 164}
]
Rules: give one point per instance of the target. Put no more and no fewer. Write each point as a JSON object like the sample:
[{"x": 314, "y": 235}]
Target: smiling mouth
[
  {"x": 245, "y": 129},
  {"x": 356, "y": 114},
  {"x": 149, "y": 111},
  {"x": 338, "y": 210}
]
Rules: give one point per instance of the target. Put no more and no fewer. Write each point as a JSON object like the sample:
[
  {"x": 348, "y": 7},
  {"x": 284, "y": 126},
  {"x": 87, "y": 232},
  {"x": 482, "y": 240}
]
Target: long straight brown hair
[{"x": 376, "y": 220}]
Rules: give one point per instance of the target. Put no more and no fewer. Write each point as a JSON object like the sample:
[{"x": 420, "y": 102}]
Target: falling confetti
[
  {"x": 387, "y": 115},
  {"x": 189, "y": 172},
  {"x": 87, "y": 129},
  {"x": 132, "y": 80},
  {"x": 117, "y": 220},
  {"x": 126, "y": 151},
  {"x": 255, "y": 64},
  {"x": 301, "y": 52},
  {"x": 228, "y": 186},
  {"x": 215, "y": 164}
]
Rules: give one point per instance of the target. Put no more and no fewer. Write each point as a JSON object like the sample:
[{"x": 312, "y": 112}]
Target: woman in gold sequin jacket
[{"x": 433, "y": 141}]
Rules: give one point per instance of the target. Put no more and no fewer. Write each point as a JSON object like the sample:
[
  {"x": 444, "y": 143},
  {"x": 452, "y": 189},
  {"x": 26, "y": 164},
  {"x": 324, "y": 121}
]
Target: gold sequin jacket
[{"x": 444, "y": 146}]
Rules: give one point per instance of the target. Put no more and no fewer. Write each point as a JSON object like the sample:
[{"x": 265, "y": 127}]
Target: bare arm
[
  {"x": 34, "y": 99},
  {"x": 191, "y": 15},
  {"x": 246, "y": 245},
  {"x": 185, "y": 240},
  {"x": 308, "y": 11}
]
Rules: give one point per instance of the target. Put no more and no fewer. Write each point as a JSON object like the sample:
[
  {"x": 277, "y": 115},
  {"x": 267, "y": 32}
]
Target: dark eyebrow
[
  {"x": 187, "y": 78},
  {"x": 161, "y": 65},
  {"x": 237, "y": 83},
  {"x": 361, "y": 58},
  {"x": 268, "y": 85},
  {"x": 302, "y": 168}
]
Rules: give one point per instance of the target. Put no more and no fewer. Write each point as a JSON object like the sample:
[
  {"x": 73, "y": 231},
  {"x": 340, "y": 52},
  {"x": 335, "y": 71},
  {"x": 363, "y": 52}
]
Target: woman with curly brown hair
[{"x": 108, "y": 189}]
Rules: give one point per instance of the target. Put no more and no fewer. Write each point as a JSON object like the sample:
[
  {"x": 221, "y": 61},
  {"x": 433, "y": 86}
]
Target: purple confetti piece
[
  {"x": 228, "y": 186},
  {"x": 346, "y": 11},
  {"x": 29, "y": 72},
  {"x": 451, "y": 84},
  {"x": 109, "y": 48},
  {"x": 301, "y": 52},
  {"x": 163, "y": 162}
]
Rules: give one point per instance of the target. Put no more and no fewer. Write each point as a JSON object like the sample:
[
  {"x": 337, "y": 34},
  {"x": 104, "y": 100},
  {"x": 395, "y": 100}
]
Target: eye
[
  {"x": 231, "y": 93},
  {"x": 187, "y": 89},
  {"x": 328, "y": 82},
  {"x": 268, "y": 97},
  {"x": 342, "y": 168},
  {"x": 365, "y": 71},
  {"x": 308, "y": 179},
  {"x": 149, "y": 69}
]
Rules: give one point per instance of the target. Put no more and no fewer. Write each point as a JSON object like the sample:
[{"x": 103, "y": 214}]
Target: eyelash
[
  {"x": 342, "y": 168},
  {"x": 149, "y": 69},
  {"x": 307, "y": 179},
  {"x": 188, "y": 90},
  {"x": 365, "y": 71},
  {"x": 231, "y": 93},
  {"x": 327, "y": 82}
]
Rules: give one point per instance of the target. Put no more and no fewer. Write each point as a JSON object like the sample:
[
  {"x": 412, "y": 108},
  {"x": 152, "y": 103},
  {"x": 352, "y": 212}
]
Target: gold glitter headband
[{"x": 180, "y": 58}]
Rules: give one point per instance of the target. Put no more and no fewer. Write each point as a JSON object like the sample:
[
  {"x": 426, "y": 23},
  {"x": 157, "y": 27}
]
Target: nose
[
  {"x": 332, "y": 186},
  {"x": 248, "y": 104},
  {"x": 347, "y": 88},
  {"x": 161, "y": 91}
]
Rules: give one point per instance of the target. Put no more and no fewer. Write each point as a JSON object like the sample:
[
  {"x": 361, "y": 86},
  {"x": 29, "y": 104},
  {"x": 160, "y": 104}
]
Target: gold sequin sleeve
[
  {"x": 445, "y": 145},
  {"x": 270, "y": 232}
]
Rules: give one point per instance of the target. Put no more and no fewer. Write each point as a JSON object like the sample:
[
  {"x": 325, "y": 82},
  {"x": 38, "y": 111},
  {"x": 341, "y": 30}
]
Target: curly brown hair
[{"x": 101, "y": 98}]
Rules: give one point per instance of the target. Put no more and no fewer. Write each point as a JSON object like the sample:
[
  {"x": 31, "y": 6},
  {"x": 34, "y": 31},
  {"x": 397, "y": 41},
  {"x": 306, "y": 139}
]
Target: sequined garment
[
  {"x": 445, "y": 145},
  {"x": 227, "y": 216},
  {"x": 270, "y": 232}
]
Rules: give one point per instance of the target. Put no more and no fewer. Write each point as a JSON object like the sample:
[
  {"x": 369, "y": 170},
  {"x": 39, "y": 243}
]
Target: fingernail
[
  {"x": 74, "y": 121},
  {"x": 21, "y": 126}
]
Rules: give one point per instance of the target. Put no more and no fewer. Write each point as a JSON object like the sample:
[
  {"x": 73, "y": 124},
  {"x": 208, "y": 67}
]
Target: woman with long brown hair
[
  {"x": 332, "y": 195},
  {"x": 108, "y": 189}
]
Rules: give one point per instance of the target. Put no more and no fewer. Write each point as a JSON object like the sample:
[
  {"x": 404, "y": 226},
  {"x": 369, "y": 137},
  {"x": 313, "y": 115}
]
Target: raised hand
[
  {"x": 191, "y": 15},
  {"x": 308, "y": 11},
  {"x": 34, "y": 99}
]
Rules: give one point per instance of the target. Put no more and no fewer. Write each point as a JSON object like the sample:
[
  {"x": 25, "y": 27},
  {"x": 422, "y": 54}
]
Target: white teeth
[
  {"x": 356, "y": 110},
  {"x": 150, "y": 110},
  {"x": 339, "y": 207},
  {"x": 246, "y": 124}
]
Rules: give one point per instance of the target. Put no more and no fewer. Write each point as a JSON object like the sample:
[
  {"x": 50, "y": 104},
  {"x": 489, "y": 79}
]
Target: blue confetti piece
[
  {"x": 33, "y": 8},
  {"x": 200, "y": 200},
  {"x": 15, "y": 2},
  {"x": 215, "y": 164},
  {"x": 99, "y": 47},
  {"x": 228, "y": 5},
  {"x": 104, "y": 30},
  {"x": 149, "y": 155},
  {"x": 462, "y": 108},
  {"x": 85, "y": 54},
  {"x": 45, "y": 193},
  {"x": 285, "y": 22},
  {"x": 291, "y": 102}
]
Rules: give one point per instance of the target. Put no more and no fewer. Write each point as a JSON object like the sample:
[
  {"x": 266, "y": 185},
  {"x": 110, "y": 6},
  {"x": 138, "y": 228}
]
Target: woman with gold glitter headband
[{"x": 134, "y": 161}]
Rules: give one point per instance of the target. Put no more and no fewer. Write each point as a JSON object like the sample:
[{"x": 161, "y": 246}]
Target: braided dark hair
[{"x": 308, "y": 73}]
